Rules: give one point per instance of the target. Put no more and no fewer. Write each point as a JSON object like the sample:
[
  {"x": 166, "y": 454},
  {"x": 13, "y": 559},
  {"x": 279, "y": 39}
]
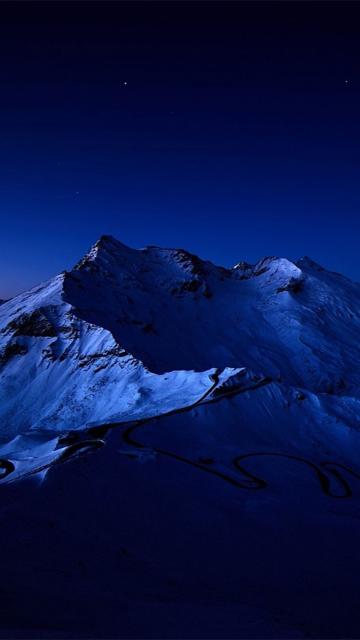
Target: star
[
  {"x": 125, "y": 84},
  {"x": 347, "y": 82}
]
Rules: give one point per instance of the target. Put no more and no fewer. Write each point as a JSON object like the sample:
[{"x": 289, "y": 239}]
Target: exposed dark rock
[
  {"x": 33, "y": 324},
  {"x": 86, "y": 360},
  {"x": 189, "y": 286},
  {"x": 294, "y": 285},
  {"x": 259, "y": 272},
  {"x": 12, "y": 349}
]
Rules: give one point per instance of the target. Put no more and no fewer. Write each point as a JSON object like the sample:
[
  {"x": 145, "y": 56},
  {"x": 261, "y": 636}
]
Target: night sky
[{"x": 230, "y": 129}]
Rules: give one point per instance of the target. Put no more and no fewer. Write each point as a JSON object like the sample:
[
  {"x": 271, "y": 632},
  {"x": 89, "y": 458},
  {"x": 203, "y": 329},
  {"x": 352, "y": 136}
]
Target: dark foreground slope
[{"x": 134, "y": 542}]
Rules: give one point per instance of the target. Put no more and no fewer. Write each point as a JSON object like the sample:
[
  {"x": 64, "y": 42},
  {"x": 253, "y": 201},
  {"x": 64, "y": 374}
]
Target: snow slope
[{"x": 59, "y": 371}]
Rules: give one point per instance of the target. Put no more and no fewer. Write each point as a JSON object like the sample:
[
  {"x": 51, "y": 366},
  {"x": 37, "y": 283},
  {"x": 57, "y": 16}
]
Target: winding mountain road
[
  {"x": 253, "y": 482},
  {"x": 318, "y": 469},
  {"x": 326, "y": 472}
]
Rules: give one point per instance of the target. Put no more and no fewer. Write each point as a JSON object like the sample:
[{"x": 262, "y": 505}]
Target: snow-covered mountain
[
  {"x": 238, "y": 392},
  {"x": 129, "y": 334}
]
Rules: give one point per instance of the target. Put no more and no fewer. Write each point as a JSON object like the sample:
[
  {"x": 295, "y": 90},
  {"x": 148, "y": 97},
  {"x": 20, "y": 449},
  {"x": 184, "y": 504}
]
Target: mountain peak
[
  {"x": 106, "y": 245},
  {"x": 273, "y": 265},
  {"x": 172, "y": 311}
]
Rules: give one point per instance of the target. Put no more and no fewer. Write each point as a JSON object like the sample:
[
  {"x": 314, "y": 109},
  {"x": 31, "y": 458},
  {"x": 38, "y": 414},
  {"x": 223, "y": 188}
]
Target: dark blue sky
[{"x": 237, "y": 134}]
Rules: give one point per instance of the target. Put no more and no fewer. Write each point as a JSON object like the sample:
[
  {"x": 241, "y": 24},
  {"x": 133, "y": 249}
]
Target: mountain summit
[{"x": 172, "y": 310}]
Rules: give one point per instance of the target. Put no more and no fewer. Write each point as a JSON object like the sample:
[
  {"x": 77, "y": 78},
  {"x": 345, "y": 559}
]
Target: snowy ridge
[
  {"x": 132, "y": 334},
  {"x": 160, "y": 298}
]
